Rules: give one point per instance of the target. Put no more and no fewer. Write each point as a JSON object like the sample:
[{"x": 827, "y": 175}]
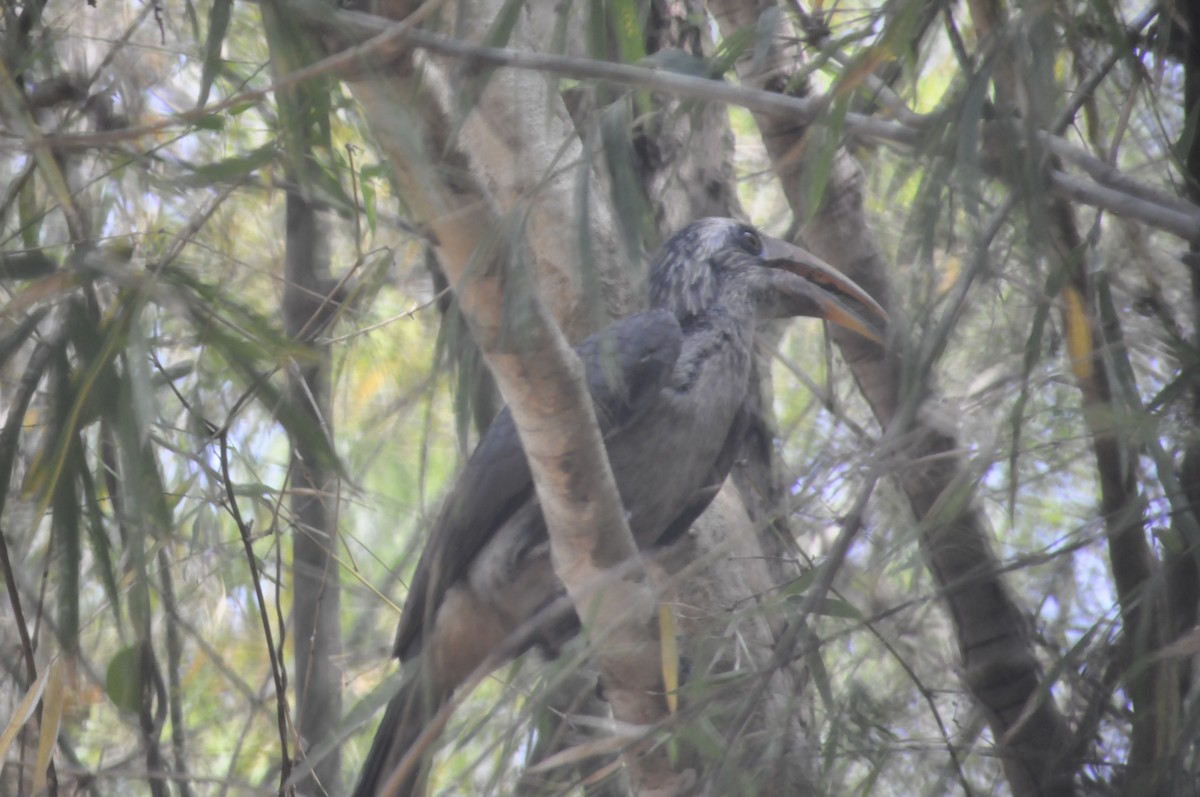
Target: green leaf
[
  {"x": 214, "y": 122},
  {"x": 816, "y": 177},
  {"x": 801, "y": 583},
  {"x": 139, "y": 467},
  {"x": 374, "y": 170},
  {"x": 681, "y": 62},
  {"x": 102, "y": 557},
  {"x": 124, "y": 679},
  {"x": 244, "y": 356},
  {"x": 967, "y": 141},
  {"x": 97, "y": 346},
  {"x": 64, "y": 502},
  {"x": 730, "y": 49},
  {"x": 304, "y": 109},
  {"x": 1177, "y": 389},
  {"x": 500, "y": 31},
  {"x": 764, "y": 35},
  {"x": 189, "y": 11},
  {"x": 137, "y": 373},
  {"x": 835, "y": 607},
  {"x": 18, "y": 405},
  {"x": 631, "y": 40},
  {"x": 597, "y": 36},
  {"x": 628, "y": 200},
  {"x": 326, "y": 182},
  {"x": 240, "y": 108},
  {"x": 218, "y": 24},
  {"x": 231, "y": 169},
  {"x": 368, "y": 195},
  {"x": 28, "y": 214}
]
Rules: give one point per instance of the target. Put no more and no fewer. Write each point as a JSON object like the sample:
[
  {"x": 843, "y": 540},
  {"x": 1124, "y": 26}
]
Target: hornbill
[{"x": 669, "y": 388}]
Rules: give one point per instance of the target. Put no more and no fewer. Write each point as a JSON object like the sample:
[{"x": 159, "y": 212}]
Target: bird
[{"x": 669, "y": 388}]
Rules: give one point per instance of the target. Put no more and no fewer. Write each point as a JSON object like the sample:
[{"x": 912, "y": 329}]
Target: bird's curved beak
[{"x": 838, "y": 299}]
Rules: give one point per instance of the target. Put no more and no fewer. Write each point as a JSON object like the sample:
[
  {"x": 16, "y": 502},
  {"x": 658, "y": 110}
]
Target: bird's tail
[{"x": 407, "y": 715}]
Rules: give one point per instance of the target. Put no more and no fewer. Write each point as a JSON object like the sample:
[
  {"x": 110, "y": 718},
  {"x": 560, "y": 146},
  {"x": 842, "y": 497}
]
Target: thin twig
[
  {"x": 8, "y": 447},
  {"x": 276, "y": 669},
  {"x": 384, "y": 39},
  {"x": 174, "y": 685},
  {"x": 1143, "y": 203}
]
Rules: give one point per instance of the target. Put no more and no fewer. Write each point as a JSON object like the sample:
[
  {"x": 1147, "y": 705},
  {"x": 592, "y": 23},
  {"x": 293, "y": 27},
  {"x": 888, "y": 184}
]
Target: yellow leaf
[
  {"x": 853, "y": 77},
  {"x": 38, "y": 291},
  {"x": 1079, "y": 334},
  {"x": 52, "y": 709},
  {"x": 23, "y": 712},
  {"x": 670, "y": 654},
  {"x": 950, "y": 268}
]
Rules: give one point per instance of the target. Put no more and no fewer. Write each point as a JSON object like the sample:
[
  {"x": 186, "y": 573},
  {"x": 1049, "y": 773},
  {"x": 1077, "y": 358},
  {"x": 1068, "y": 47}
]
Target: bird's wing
[
  {"x": 713, "y": 482},
  {"x": 626, "y": 365}
]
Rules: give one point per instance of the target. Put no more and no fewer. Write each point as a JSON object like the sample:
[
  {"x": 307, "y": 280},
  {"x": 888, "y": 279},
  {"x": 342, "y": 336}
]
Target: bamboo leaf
[
  {"x": 764, "y": 35},
  {"x": 123, "y": 679},
  {"x": 670, "y": 654},
  {"x": 138, "y": 383},
  {"x": 10, "y": 435},
  {"x": 816, "y": 176},
  {"x": 52, "y": 711},
  {"x": 28, "y": 214},
  {"x": 23, "y": 712},
  {"x": 730, "y": 50},
  {"x": 836, "y": 607},
  {"x": 967, "y": 140},
  {"x": 65, "y": 505},
  {"x": 801, "y": 583},
  {"x": 367, "y": 187},
  {"x": 218, "y": 24},
  {"x": 681, "y": 62},
  {"x": 631, "y": 40},
  {"x": 102, "y": 554},
  {"x": 244, "y": 357},
  {"x": 214, "y": 122},
  {"x": 628, "y": 200},
  {"x": 304, "y": 109},
  {"x": 231, "y": 169},
  {"x": 1079, "y": 334}
]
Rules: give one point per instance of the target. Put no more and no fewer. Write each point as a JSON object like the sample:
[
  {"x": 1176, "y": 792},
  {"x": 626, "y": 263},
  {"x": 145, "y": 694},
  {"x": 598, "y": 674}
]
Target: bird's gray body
[
  {"x": 669, "y": 388},
  {"x": 512, "y": 573}
]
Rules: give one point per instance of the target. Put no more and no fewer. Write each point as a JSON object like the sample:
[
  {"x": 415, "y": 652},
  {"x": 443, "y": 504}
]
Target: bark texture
[
  {"x": 308, "y": 305},
  {"x": 316, "y": 625}
]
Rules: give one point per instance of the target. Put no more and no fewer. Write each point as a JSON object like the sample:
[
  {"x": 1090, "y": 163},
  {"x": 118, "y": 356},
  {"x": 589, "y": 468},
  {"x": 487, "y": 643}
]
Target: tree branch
[
  {"x": 485, "y": 258},
  {"x": 1118, "y": 194}
]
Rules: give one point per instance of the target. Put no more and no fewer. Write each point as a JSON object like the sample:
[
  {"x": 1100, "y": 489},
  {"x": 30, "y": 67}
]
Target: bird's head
[{"x": 719, "y": 261}]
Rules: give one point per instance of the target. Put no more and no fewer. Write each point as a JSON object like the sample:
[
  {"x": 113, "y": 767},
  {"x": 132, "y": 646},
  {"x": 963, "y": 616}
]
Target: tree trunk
[{"x": 316, "y": 628}]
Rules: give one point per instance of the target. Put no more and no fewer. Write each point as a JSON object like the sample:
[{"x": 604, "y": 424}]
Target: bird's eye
[{"x": 748, "y": 239}]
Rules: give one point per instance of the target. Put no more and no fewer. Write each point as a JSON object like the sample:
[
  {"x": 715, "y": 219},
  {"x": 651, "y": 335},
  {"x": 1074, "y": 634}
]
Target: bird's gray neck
[{"x": 717, "y": 345}]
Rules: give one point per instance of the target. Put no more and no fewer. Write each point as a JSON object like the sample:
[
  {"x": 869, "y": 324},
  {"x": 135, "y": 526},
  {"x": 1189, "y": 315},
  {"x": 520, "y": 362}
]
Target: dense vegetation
[{"x": 234, "y": 384}]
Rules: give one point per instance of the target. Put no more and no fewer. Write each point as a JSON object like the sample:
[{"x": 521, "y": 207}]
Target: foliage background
[{"x": 145, "y": 364}]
